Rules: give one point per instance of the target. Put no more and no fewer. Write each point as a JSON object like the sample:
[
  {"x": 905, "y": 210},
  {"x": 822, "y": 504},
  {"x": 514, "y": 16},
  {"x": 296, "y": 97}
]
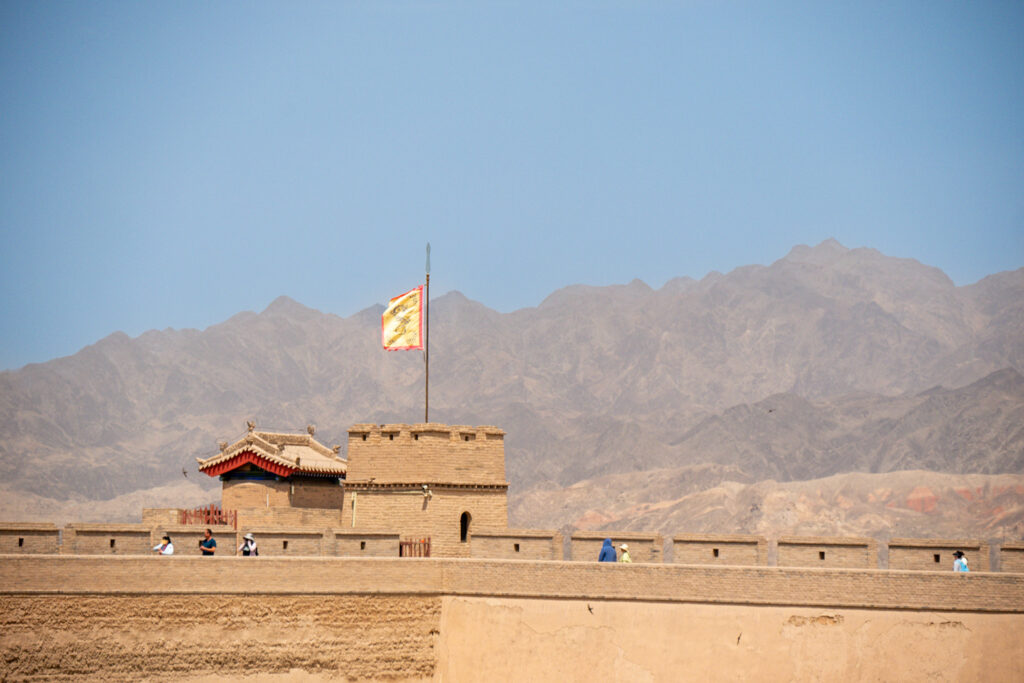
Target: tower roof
[{"x": 282, "y": 454}]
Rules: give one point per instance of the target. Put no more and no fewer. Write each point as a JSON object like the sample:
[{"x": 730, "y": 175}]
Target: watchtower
[{"x": 427, "y": 480}]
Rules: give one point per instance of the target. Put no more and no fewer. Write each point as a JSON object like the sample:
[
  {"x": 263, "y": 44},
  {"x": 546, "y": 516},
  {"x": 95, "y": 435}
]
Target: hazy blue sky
[{"x": 171, "y": 164}]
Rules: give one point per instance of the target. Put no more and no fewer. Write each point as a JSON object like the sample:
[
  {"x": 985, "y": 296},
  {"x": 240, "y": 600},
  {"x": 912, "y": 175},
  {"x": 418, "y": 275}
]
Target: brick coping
[{"x": 533, "y": 579}]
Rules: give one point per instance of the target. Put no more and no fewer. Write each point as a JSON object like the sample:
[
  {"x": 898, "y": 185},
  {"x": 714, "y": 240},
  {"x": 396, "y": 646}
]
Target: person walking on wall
[
  {"x": 165, "y": 547},
  {"x": 607, "y": 552},
  {"x": 248, "y": 547},
  {"x": 960, "y": 563},
  {"x": 624, "y": 557},
  {"x": 208, "y": 546}
]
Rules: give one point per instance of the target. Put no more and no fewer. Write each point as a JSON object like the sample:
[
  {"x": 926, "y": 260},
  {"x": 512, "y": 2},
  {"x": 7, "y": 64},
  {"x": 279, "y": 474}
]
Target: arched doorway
[{"x": 464, "y": 526}]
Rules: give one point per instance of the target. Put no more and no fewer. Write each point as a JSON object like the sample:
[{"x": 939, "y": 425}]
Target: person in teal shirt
[{"x": 208, "y": 545}]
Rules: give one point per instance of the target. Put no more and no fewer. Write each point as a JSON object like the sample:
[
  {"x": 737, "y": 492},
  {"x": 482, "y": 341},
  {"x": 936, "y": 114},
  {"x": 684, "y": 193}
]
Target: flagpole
[{"x": 426, "y": 342}]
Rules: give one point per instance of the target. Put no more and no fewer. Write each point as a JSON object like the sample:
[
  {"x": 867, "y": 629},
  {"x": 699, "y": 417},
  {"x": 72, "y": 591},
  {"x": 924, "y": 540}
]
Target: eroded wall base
[{"x": 150, "y": 637}]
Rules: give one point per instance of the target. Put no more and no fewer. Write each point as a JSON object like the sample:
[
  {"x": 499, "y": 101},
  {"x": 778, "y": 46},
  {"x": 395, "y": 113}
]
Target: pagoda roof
[{"x": 282, "y": 454}]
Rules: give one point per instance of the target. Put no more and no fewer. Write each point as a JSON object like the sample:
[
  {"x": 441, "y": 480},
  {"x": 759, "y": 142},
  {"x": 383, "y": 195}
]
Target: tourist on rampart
[
  {"x": 248, "y": 547},
  {"x": 960, "y": 563},
  {"x": 607, "y": 552},
  {"x": 624, "y": 557},
  {"x": 208, "y": 545},
  {"x": 165, "y": 547}
]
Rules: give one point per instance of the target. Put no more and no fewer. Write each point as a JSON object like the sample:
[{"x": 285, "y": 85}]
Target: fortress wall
[
  {"x": 125, "y": 618},
  {"x": 438, "y": 517},
  {"x": 426, "y": 453},
  {"x": 316, "y": 518},
  {"x": 517, "y": 544},
  {"x": 483, "y": 639},
  {"x": 819, "y": 551},
  {"x": 1011, "y": 558},
  {"x": 161, "y": 517},
  {"x": 715, "y": 549},
  {"x": 365, "y": 543},
  {"x": 848, "y": 588},
  {"x": 29, "y": 537},
  {"x": 586, "y": 545},
  {"x": 929, "y": 554},
  {"x": 277, "y": 541},
  {"x": 107, "y": 539},
  {"x": 317, "y": 493},
  {"x": 240, "y": 493}
]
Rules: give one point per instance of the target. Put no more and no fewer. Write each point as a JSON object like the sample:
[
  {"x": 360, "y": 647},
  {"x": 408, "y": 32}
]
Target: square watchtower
[{"x": 427, "y": 480}]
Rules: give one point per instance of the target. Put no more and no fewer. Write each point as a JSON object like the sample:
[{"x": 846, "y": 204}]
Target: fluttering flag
[{"x": 402, "y": 322}]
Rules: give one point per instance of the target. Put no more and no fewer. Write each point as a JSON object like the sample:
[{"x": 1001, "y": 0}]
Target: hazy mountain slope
[
  {"x": 837, "y": 343},
  {"x": 915, "y": 504}
]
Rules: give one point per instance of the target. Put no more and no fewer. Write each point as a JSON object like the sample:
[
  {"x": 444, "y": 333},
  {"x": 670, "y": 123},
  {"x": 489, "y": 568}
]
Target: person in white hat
[
  {"x": 624, "y": 555},
  {"x": 248, "y": 547}
]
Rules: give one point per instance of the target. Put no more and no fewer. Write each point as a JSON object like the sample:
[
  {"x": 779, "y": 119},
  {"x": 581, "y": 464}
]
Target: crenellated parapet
[{"x": 426, "y": 452}]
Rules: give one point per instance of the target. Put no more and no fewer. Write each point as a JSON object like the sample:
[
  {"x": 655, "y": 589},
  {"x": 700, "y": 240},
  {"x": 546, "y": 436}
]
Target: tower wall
[{"x": 426, "y": 452}]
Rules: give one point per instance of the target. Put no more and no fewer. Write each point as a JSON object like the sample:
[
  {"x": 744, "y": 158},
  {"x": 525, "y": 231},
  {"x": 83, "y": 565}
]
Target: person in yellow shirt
[{"x": 624, "y": 555}]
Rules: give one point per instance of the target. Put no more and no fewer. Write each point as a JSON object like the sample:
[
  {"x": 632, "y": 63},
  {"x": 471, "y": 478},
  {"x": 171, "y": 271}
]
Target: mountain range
[{"x": 829, "y": 362}]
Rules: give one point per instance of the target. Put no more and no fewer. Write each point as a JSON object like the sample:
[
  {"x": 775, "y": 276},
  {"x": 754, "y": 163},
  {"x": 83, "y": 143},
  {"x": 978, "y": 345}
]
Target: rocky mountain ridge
[{"x": 829, "y": 360}]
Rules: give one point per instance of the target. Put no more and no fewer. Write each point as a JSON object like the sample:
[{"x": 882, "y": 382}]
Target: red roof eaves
[{"x": 246, "y": 458}]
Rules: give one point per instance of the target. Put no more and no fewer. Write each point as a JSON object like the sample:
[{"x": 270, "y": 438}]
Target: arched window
[{"x": 464, "y": 526}]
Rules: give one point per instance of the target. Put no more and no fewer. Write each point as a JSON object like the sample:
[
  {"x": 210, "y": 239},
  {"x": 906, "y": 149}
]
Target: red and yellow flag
[{"x": 402, "y": 322}]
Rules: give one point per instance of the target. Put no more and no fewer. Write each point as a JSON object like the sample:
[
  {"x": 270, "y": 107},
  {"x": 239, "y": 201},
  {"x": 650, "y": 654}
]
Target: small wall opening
[
  {"x": 714, "y": 551},
  {"x": 21, "y": 542},
  {"x": 284, "y": 545},
  {"x": 464, "y": 526},
  {"x": 516, "y": 546},
  {"x": 112, "y": 542},
  {"x": 364, "y": 437},
  {"x": 416, "y": 437},
  {"x": 362, "y": 545},
  {"x": 821, "y": 554},
  {"x": 937, "y": 557}
]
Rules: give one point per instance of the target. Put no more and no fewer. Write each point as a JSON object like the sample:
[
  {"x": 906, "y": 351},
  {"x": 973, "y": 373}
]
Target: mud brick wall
[
  {"x": 107, "y": 539},
  {"x": 316, "y": 518},
  {"x": 517, "y": 544},
  {"x": 364, "y": 544},
  {"x": 276, "y": 541},
  {"x": 1011, "y": 558},
  {"x": 931, "y": 554},
  {"x": 317, "y": 493},
  {"x": 439, "y": 517},
  {"x": 719, "y": 549},
  {"x": 643, "y": 548},
  {"x": 161, "y": 517},
  {"x": 821, "y": 551},
  {"x": 845, "y": 588},
  {"x": 29, "y": 537},
  {"x": 426, "y": 453},
  {"x": 239, "y": 493}
]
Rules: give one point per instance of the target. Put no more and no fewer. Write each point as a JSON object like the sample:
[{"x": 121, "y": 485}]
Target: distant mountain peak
[
  {"x": 823, "y": 253},
  {"x": 285, "y": 305}
]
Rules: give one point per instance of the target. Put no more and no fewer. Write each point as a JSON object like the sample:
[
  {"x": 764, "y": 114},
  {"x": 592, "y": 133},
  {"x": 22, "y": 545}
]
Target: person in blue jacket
[{"x": 607, "y": 552}]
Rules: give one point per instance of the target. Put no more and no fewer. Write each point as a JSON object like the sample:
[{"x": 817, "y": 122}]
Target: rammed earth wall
[{"x": 125, "y": 618}]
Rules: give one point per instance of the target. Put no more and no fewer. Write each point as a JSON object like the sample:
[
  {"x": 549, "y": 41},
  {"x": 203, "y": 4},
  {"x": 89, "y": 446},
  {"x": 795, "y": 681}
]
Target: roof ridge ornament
[
  {"x": 251, "y": 425},
  {"x": 311, "y": 429},
  {"x": 222, "y": 445}
]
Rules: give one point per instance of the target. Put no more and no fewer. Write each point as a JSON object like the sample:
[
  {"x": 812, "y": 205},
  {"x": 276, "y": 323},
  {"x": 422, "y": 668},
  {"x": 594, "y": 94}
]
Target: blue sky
[{"x": 171, "y": 164}]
